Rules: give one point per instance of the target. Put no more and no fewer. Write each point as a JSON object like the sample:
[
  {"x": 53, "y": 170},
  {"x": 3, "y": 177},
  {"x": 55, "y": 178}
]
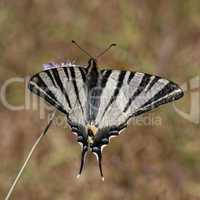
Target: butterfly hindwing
[{"x": 103, "y": 136}]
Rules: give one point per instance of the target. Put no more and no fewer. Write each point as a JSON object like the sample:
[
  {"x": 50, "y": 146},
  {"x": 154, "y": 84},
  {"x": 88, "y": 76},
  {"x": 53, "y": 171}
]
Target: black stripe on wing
[
  {"x": 83, "y": 74},
  {"x": 51, "y": 77},
  {"x": 38, "y": 87},
  {"x": 60, "y": 85},
  {"x": 145, "y": 80},
  {"x": 45, "y": 84},
  {"x": 116, "y": 90},
  {"x": 66, "y": 72},
  {"x": 170, "y": 92},
  {"x": 153, "y": 82},
  {"x": 132, "y": 74},
  {"x": 73, "y": 76}
]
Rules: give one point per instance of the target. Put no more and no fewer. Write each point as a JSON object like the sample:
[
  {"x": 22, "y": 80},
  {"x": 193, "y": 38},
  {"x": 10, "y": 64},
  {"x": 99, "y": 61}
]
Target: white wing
[
  {"x": 64, "y": 88},
  {"x": 127, "y": 94}
]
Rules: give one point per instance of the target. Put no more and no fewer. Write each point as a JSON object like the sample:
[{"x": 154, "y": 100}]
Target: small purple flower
[{"x": 50, "y": 65}]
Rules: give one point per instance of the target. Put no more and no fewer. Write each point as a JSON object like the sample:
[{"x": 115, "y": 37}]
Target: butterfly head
[
  {"x": 92, "y": 61},
  {"x": 92, "y": 65}
]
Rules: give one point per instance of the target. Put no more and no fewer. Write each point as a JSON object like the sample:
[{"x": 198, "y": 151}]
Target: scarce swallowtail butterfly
[{"x": 98, "y": 103}]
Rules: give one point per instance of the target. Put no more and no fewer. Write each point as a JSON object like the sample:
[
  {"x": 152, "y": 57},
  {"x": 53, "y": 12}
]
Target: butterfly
[{"x": 99, "y": 103}]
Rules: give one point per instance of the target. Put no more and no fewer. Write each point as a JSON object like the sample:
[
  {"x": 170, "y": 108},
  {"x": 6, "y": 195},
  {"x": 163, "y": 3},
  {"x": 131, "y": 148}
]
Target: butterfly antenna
[
  {"x": 29, "y": 156},
  {"x": 104, "y": 51},
  {"x": 85, "y": 149},
  {"x": 74, "y": 42}
]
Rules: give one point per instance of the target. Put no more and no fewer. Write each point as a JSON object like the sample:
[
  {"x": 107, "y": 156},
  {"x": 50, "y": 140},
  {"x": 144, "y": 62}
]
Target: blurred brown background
[{"x": 150, "y": 160}]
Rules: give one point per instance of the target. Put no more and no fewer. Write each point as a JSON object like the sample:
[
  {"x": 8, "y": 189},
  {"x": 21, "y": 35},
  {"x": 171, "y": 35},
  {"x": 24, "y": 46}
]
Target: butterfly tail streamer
[
  {"x": 83, "y": 154},
  {"x": 99, "y": 160},
  {"x": 29, "y": 156},
  {"x": 100, "y": 165}
]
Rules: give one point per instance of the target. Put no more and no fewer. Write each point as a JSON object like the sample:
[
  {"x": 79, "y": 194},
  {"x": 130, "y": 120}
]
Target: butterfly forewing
[
  {"x": 127, "y": 94},
  {"x": 64, "y": 88}
]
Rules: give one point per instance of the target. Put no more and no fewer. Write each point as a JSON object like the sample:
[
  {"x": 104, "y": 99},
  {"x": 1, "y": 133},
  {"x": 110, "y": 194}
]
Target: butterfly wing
[
  {"x": 64, "y": 88},
  {"x": 128, "y": 94}
]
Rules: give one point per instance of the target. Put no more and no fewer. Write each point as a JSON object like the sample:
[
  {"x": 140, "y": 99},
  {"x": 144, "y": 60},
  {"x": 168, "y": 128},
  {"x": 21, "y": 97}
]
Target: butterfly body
[{"x": 98, "y": 103}]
